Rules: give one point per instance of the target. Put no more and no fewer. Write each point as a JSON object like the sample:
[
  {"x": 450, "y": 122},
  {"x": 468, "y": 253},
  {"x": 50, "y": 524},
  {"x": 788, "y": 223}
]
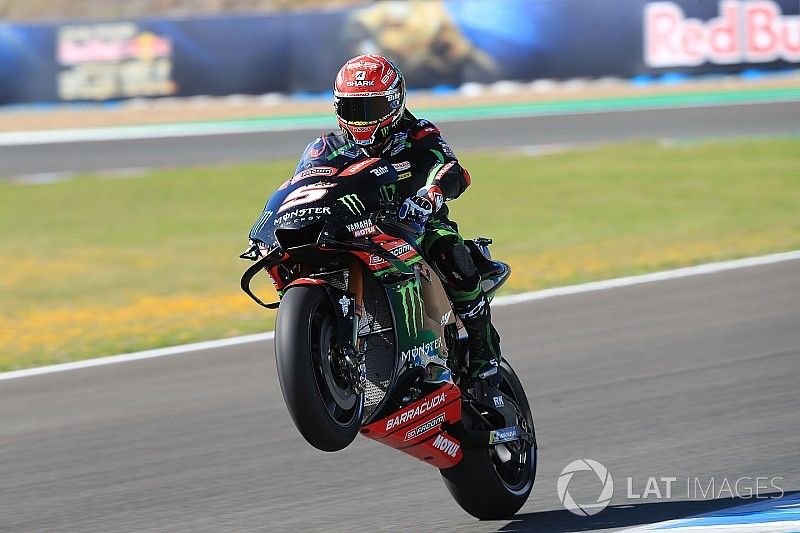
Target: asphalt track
[
  {"x": 680, "y": 378},
  {"x": 745, "y": 119}
]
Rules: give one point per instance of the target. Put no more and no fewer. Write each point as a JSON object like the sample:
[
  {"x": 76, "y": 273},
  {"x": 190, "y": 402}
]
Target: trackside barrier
[{"x": 438, "y": 42}]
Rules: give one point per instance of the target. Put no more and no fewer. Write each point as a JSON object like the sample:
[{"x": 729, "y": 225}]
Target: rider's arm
[{"x": 436, "y": 156}]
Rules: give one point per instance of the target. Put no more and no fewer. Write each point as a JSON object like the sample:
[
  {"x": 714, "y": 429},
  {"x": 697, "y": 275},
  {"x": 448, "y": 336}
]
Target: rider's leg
[{"x": 445, "y": 248}]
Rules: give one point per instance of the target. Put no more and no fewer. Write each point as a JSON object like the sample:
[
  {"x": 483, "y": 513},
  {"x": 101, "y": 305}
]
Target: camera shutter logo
[{"x": 585, "y": 465}]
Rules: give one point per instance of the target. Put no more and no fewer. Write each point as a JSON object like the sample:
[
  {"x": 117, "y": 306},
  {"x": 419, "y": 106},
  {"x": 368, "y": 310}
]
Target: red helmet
[{"x": 370, "y": 97}]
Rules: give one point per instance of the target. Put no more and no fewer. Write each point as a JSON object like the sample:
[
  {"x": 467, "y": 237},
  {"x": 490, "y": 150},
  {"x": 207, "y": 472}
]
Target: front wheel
[
  {"x": 322, "y": 403},
  {"x": 487, "y": 483}
]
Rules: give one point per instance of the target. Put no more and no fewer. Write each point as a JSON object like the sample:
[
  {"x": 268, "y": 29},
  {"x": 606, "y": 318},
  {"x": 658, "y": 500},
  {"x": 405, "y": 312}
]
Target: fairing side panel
[
  {"x": 421, "y": 311},
  {"x": 438, "y": 310},
  {"x": 419, "y": 429}
]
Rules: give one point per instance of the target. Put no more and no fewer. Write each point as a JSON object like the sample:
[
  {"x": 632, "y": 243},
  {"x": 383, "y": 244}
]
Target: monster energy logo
[
  {"x": 353, "y": 203},
  {"x": 388, "y": 191},
  {"x": 411, "y": 294}
]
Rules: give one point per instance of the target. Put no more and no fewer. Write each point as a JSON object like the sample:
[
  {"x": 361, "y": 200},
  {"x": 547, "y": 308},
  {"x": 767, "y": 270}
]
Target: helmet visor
[{"x": 362, "y": 109}]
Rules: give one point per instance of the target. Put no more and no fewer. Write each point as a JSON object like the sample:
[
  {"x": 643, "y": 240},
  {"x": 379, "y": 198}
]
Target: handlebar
[{"x": 390, "y": 220}]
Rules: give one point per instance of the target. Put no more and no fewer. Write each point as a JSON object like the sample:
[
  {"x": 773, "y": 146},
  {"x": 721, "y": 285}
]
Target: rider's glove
[
  {"x": 419, "y": 208},
  {"x": 434, "y": 194},
  {"x": 416, "y": 210}
]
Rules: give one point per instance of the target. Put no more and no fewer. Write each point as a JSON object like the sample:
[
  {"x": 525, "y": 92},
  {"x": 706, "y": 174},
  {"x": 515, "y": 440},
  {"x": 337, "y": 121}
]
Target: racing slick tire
[
  {"x": 324, "y": 407},
  {"x": 481, "y": 483}
]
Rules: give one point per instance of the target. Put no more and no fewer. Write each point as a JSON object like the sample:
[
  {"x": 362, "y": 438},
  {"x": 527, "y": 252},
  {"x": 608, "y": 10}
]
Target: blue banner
[{"x": 435, "y": 42}]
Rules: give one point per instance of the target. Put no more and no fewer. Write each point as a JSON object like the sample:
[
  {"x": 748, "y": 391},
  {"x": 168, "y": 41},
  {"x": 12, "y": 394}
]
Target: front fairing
[{"x": 336, "y": 198}]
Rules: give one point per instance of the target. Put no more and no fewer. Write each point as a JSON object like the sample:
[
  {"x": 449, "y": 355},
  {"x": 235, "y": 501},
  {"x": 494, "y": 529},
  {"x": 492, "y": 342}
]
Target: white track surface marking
[{"x": 709, "y": 268}]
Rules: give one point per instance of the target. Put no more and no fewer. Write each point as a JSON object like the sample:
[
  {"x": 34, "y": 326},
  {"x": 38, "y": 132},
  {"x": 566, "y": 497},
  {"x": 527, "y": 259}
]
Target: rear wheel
[
  {"x": 322, "y": 402},
  {"x": 494, "y": 482}
]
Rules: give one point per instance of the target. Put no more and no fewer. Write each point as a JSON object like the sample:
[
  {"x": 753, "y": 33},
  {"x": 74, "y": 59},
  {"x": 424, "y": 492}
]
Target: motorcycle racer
[{"x": 370, "y": 104}]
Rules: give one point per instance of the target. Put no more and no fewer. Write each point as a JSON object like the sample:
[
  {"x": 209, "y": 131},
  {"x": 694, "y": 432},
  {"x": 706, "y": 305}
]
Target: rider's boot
[{"x": 484, "y": 341}]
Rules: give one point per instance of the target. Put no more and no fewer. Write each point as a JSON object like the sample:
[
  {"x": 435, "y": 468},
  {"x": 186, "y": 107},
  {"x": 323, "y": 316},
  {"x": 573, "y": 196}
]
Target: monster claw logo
[
  {"x": 353, "y": 203},
  {"x": 261, "y": 221},
  {"x": 411, "y": 294},
  {"x": 388, "y": 192}
]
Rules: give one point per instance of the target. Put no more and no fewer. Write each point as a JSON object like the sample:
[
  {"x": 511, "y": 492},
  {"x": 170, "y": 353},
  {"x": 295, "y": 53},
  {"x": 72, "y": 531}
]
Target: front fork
[
  {"x": 348, "y": 306},
  {"x": 355, "y": 286},
  {"x": 353, "y": 355}
]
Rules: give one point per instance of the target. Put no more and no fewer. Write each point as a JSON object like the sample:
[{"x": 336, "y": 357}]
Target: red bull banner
[
  {"x": 110, "y": 61},
  {"x": 742, "y": 32}
]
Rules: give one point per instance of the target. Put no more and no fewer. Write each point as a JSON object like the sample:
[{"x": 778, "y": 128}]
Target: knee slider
[
  {"x": 455, "y": 263},
  {"x": 462, "y": 261},
  {"x": 464, "y": 276}
]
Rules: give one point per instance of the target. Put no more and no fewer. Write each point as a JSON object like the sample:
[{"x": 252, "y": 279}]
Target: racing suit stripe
[{"x": 432, "y": 173}]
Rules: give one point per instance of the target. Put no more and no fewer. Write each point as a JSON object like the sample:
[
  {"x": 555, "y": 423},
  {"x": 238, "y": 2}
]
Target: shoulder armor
[{"x": 422, "y": 128}]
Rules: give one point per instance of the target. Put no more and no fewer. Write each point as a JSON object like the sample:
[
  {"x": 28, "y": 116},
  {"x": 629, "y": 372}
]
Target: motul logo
[
  {"x": 748, "y": 31},
  {"x": 446, "y": 445}
]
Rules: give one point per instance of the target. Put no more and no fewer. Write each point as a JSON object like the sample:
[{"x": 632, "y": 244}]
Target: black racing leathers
[
  {"x": 421, "y": 157},
  {"x": 417, "y": 151}
]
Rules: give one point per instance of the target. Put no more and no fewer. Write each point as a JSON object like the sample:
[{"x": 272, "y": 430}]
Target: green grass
[{"x": 97, "y": 265}]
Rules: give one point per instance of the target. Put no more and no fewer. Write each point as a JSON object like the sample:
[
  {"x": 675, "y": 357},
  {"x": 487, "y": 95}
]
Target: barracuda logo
[
  {"x": 353, "y": 203},
  {"x": 411, "y": 294},
  {"x": 412, "y": 414},
  {"x": 388, "y": 191}
]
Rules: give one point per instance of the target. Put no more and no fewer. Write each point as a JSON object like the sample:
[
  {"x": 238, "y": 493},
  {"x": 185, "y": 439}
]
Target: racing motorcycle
[{"x": 366, "y": 339}]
